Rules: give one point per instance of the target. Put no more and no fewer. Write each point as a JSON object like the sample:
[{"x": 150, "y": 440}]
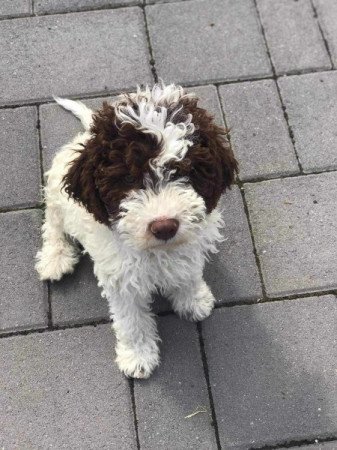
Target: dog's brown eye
[{"x": 129, "y": 179}]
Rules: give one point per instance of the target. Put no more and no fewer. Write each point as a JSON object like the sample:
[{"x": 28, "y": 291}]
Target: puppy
[{"x": 139, "y": 189}]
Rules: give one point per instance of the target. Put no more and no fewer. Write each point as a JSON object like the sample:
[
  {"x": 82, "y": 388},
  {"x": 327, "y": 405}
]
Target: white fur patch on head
[
  {"x": 152, "y": 111},
  {"x": 174, "y": 200}
]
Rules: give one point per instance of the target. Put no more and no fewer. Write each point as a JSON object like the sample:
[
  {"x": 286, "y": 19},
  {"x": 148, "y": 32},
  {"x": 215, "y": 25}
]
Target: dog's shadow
[{"x": 272, "y": 379}]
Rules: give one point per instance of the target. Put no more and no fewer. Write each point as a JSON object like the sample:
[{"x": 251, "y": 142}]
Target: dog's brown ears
[
  {"x": 213, "y": 165},
  {"x": 79, "y": 183},
  {"x": 81, "y": 180}
]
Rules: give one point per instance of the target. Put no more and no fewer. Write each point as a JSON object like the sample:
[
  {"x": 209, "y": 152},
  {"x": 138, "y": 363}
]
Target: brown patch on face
[
  {"x": 111, "y": 164},
  {"x": 209, "y": 164}
]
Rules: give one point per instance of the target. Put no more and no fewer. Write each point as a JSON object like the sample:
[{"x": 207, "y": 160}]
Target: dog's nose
[{"x": 164, "y": 229}]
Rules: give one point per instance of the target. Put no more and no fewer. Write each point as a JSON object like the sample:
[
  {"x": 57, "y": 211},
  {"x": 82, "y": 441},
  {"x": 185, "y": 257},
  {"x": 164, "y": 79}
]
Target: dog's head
[{"x": 154, "y": 168}]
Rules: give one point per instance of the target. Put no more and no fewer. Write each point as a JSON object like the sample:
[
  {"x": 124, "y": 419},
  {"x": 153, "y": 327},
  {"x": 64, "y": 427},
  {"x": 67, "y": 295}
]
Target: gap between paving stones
[
  {"x": 134, "y": 409},
  {"x": 245, "y": 206},
  {"x": 209, "y": 389},
  {"x": 140, "y": 4},
  {"x": 111, "y": 93},
  {"x": 152, "y": 61},
  {"x": 297, "y": 444},
  {"x": 322, "y": 33},
  {"x": 95, "y": 323},
  {"x": 49, "y": 301},
  {"x": 62, "y": 13},
  {"x": 275, "y": 77}
]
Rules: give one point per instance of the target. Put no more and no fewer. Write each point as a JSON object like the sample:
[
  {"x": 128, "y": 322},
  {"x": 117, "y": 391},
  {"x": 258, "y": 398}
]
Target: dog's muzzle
[{"x": 164, "y": 229}]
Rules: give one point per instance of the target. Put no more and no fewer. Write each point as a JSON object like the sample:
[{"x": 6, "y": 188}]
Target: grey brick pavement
[
  {"x": 259, "y": 132},
  {"x": 52, "y": 397},
  {"x": 293, "y": 35},
  {"x": 15, "y": 8},
  {"x": 19, "y": 158},
  {"x": 23, "y": 300},
  {"x": 327, "y": 16},
  {"x": 273, "y": 371},
  {"x": 177, "y": 390},
  {"x": 294, "y": 223},
  {"x": 57, "y": 6},
  {"x": 35, "y": 72},
  {"x": 260, "y": 374},
  {"x": 179, "y": 55},
  {"x": 311, "y": 105}
]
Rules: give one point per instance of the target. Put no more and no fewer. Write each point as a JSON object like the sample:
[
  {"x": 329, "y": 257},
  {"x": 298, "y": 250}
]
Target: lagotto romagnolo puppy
[{"x": 139, "y": 189}]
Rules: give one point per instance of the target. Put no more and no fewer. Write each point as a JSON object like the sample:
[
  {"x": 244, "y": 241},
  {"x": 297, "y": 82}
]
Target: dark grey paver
[
  {"x": 293, "y": 35},
  {"x": 272, "y": 371},
  {"x": 327, "y": 16},
  {"x": 62, "y": 389},
  {"x": 259, "y": 132},
  {"x": 49, "y": 55},
  {"x": 20, "y": 175},
  {"x": 56, "y": 6},
  {"x": 294, "y": 223},
  {"x": 15, "y": 8},
  {"x": 193, "y": 41},
  {"x": 311, "y": 104},
  {"x": 77, "y": 298},
  {"x": 232, "y": 272},
  {"x": 175, "y": 390},
  {"x": 23, "y": 298}
]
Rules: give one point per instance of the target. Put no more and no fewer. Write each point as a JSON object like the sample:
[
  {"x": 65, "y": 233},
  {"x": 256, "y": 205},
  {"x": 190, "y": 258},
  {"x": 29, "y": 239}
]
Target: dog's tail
[{"x": 79, "y": 109}]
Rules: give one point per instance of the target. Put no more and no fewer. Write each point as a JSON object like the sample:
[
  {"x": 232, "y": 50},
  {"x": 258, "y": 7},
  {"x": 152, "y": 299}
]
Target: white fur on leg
[
  {"x": 194, "y": 302},
  {"x": 137, "y": 352},
  {"x": 56, "y": 259}
]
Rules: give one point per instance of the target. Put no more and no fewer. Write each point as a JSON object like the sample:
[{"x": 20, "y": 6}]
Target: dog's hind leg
[{"x": 58, "y": 255}]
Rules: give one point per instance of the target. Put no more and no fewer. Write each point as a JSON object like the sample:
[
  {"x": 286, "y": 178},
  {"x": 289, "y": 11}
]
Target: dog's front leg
[
  {"x": 136, "y": 333},
  {"x": 193, "y": 301}
]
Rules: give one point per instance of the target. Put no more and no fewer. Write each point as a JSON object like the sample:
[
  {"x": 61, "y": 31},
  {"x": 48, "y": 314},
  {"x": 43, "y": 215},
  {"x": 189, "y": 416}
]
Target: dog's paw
[
  {"x": 199, "y": 308},
  {"x": 137, "y": 363},
  {"x": 52, "y": 262}
]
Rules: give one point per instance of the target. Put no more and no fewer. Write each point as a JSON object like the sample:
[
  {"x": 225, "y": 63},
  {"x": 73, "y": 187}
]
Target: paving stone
[
  {"x": 62, "y": 389},
  {"x": 207, "y": 51},
  {"x": 311, "y": 104},
  {"x": 23, "y": 298},
  {"x": 294, "y": 225},
  {"x": 19, "y": 159},
  {"x": 56, "y": 6},
  {"x": 259, "y": 133},
  {"x": 175, "y": 390},
  {"x": 272, "y": 370},
  {"x": 77, "y": 298},
  {"x": 15, "y": 8},
  {"x": 327, "y": 16},
  {"x": 232, "y": 272},
  {"x": 52, "y": 55},
  {"x": 293, "y": 35}
]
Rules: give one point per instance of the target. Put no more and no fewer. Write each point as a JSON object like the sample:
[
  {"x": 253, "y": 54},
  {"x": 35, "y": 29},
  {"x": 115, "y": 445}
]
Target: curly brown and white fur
[{"x": 139, "y": 189}]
